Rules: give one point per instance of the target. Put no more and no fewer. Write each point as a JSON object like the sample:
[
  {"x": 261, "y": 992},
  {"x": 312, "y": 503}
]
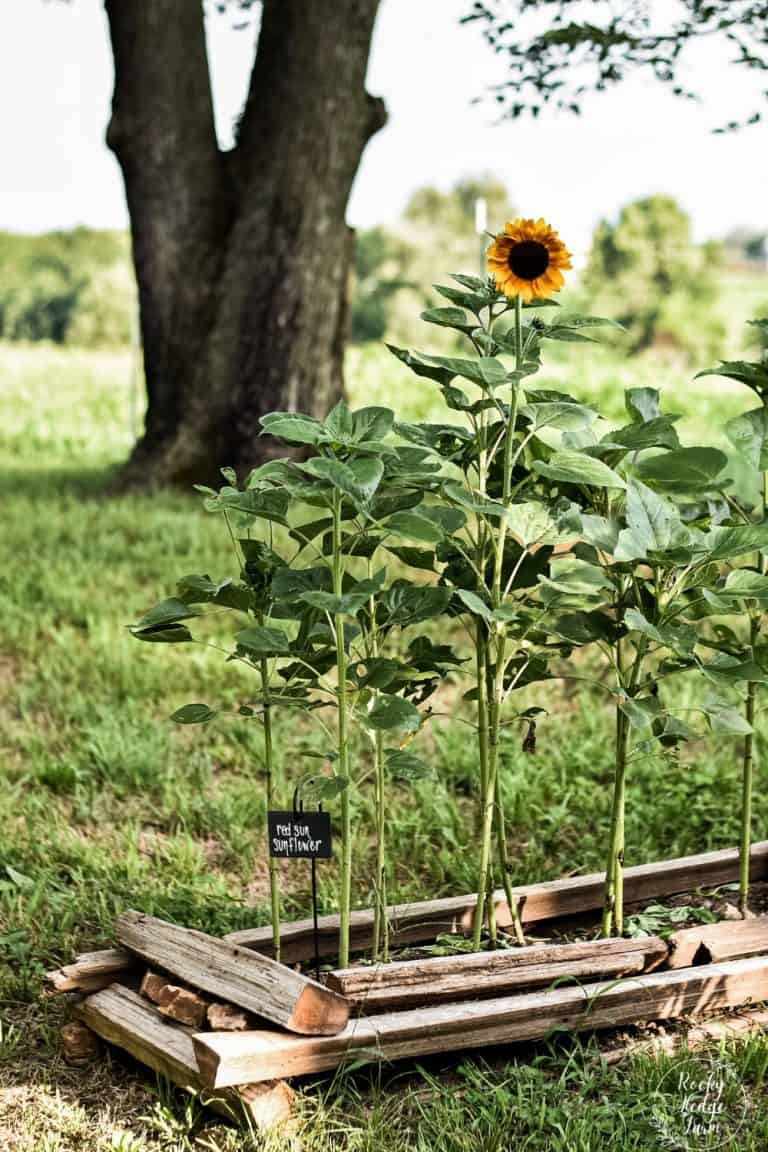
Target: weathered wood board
[
  {"x": 227, "y": 1058},
  {"x": 470, "y": 976},
  {"x": 726, "y": 940},
  {"x": 236, "y": 975},
  {"x": 122, "y": 1017},
  {"x": 421, "y": 921}
]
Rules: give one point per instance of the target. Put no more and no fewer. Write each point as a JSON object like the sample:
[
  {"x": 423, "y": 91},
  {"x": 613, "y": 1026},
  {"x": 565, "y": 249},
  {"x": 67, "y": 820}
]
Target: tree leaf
[
  {"x": 721, "y": 718},
  {"x": 681, "y": 638},
  {"x": 653, "y": 524}
]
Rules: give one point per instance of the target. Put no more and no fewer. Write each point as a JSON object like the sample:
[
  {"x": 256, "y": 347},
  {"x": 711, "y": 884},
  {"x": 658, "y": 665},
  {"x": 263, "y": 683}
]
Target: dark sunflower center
[{"x": 529, "y": 259}]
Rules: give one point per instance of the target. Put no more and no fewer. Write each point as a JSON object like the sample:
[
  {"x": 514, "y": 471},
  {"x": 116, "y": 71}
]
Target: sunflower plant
[
  {"x": 744, "y": 589},
  {"x": 502, "y": 532}
]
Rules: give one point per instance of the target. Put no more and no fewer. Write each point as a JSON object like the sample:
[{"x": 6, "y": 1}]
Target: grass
[{"x": 105, "y": 805}]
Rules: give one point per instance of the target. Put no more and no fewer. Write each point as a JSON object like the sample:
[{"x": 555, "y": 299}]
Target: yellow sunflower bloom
[{"x": 528, "y": 259}]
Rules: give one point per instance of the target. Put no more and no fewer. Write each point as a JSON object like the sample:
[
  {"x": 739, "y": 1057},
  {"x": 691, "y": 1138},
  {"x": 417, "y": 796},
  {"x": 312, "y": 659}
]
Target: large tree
[{"x": 242, "y": 256}]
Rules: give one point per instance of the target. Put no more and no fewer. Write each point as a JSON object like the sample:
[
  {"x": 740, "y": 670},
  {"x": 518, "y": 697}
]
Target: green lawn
[{"x": 106, "y": 805}]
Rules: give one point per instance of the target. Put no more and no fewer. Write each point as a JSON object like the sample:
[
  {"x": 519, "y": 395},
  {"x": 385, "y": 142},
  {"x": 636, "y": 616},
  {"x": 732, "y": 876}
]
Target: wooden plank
[
  {"x": 227, "y": 1058},
  {"x": 122, "y": 1017},
  {"x": 90, "y": 971},
  {"x": 235, "y": 974},
  {"x": 418, "y": 922},
  {"x": 727, "y": 940},
  {"x": 469, "y": 976}
]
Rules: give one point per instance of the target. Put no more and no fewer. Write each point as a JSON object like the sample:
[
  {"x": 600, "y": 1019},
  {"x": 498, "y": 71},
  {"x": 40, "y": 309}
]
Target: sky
[{"x": 637, "y": 140}]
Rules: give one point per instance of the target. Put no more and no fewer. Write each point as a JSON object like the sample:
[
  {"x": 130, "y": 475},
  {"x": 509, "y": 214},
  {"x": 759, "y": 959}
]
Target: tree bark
[{"x": 242, "y": 258}]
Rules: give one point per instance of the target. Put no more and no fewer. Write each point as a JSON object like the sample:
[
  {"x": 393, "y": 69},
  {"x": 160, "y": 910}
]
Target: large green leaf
[
  {"x": 167, "y": 612},
  {"x": 263, "y": 503},
  {"x": 449, "y": 318},
  {"x": 392, "y": 713},
  {"x": 683, "y": 469},
  {"x": 578, "y": 468},
  {"x": 363, "y": 425},
  {"x": 357, "y": 478},
  {"x": 414, "y": 526},
  {"x": 403, "y": 604},
  {"x": 754, "y": 375},
  {"x": 293, "y": 428},
  {"x": 262, "y": 641},
  {"x": 680, "y": 638},
  {"x": 485, "y": 371},
  {"x": 653, "y": 524},
  {"x": 725, "y": 543},
  {"x": 749, "y": 435},
  {"x": 745, "y": 584},
  {"x": 422, "y": 365}
]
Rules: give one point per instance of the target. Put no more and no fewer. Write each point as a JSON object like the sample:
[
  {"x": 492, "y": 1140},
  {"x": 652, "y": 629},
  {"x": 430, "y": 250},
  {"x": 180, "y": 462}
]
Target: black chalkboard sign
[{"x": 300, "y": 835}]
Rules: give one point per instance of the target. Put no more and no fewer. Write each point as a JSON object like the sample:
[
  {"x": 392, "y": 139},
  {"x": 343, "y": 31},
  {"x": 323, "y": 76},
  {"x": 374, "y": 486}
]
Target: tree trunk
[{"x": 242, "y": 258}]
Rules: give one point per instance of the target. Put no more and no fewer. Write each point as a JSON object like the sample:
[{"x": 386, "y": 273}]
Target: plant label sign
[{"x": 300, "y": 835}]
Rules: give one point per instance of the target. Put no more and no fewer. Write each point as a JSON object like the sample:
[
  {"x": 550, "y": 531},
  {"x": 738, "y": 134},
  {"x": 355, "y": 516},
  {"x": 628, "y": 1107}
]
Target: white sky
[{"x": 55, "y": 85}]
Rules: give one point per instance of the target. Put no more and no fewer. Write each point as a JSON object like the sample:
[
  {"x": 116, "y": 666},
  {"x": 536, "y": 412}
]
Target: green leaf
[
  {"x": 420, "y": 558},
  {"x": 403, "y": 604},
  {"x": 726, "y": 670},
  {"x": 391, "y": 713},
  {"x": 721, "y": 718},
  {"x": 468, "y": 499},
  {"x": 422, "y": 365},
  {"x": 415, "y": 526},
  {"x": 724, "y": 543},
  {"x": 558, "y": 414},
  {"x": 640, "y": 712},
  {"x": 261, "y": 641},
  {"x": 449, "y": 318},
  {"x": 754, "y": 375},
  {"x": 476, "y": 606},
  {"x": 358, "y": 478},
  {"x": 680, "y": 638},
  {"x": 745, "y": 584},
  {"x": 531, "y": 523},
  {"x": 578, "y": 468},
  {"x": 749, "y": 435},
  {"x": 293, "y": 428},
  {"x": 403, "y": 765},
  {"x": 167, "y": 612},
  {"x": 683, "y": 470},
  {"x": 658, "y": 433},
  {"x": 642, "y": 404},
  {"x": 193, "y": 714},
  {"x": 653, "y": 524},
  {"x": 316, "y": 788},
  {"x": 363, "y": 425},
  {"x": 485, "y": 371},
  {"x": 263, "y": 503}
]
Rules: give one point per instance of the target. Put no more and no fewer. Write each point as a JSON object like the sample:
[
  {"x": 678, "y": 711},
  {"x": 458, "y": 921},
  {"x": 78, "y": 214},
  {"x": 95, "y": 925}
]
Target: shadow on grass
[{"x": 59, "y": 482}]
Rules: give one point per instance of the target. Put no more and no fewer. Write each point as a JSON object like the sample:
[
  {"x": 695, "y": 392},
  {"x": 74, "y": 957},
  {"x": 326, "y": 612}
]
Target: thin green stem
[
  {"x": 747, "y": 771},
  {"x": 274, "y": 878},
  {"x": 345, "y": 894},
  {"x": 380, "y": 922}
]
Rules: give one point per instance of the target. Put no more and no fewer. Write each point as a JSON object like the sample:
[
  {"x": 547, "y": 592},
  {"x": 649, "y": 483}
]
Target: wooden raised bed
[{"x": 409, "y": 1008}]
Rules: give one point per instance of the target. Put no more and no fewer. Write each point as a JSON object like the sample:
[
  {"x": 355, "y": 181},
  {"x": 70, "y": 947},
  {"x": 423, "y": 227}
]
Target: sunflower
[{"x": 527, "y": 259}]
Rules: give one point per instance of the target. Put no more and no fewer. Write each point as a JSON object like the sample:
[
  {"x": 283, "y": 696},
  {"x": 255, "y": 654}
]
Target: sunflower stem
[{"x": 345, "y": 894}]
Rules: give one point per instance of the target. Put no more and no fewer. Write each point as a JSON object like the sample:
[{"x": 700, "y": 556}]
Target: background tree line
[{"x": 643, "y": 269}]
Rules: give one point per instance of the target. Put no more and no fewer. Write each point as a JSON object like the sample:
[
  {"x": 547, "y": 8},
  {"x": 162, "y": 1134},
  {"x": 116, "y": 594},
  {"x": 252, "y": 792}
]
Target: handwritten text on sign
[{"x": 300, "y": 835}]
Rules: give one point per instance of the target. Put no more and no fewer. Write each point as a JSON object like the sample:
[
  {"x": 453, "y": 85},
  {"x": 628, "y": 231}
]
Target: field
[{"x": 105, "y": 805}]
